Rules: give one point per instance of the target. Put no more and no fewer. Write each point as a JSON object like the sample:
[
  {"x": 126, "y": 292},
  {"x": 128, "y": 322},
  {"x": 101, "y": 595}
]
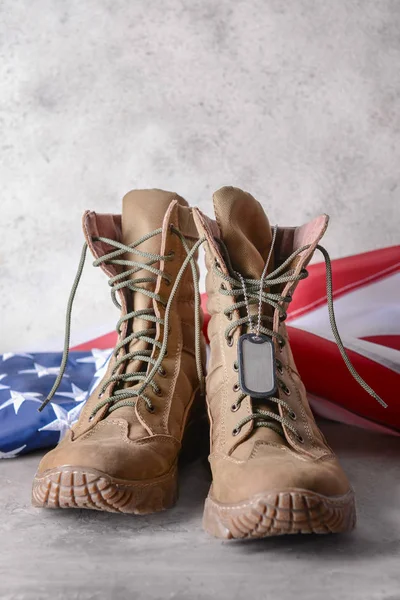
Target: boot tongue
[
  {"x": 246, "y": 232},
  {"x": 143, "y": 211}
]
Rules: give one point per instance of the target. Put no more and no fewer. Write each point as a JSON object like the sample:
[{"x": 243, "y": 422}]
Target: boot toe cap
[
  {"x": 235, "y": 481},
  {"x": 115, "y": 455}
]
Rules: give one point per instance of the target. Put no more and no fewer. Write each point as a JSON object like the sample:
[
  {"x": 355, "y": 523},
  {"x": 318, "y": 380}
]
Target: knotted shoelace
[
  {"x": 255, "y": 294},
  {"x": 128, "y": 396}
]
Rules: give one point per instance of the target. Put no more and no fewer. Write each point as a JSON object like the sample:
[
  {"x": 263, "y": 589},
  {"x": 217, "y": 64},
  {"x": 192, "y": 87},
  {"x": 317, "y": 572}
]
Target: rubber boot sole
[
  {"x": 77, "y": 487},
  {"x": 280, "y": 513}
]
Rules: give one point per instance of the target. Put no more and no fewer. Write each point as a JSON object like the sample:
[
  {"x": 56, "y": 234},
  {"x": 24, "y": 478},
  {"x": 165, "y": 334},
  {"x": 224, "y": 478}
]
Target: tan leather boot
[
  {"x": 122, "y": 454},
  {"x": 272, "y": 469}
]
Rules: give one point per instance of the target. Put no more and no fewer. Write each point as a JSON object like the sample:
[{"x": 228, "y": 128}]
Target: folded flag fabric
[
  {"x": 25, "y": 380},
  {"x": 367, "y": 305}
]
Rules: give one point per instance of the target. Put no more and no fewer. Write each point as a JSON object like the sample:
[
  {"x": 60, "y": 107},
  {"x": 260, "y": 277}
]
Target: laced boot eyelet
[
  {"x": 223, "y": 287},
  {"x": 216, "y": 264},
  {"x": 229, "y": 341},
  {"x": 235, "y": 366},
  {"x": 235, "y": 407},
  {"x": 292, "y": 415},
  {"x": 150, "y": 408},
  {"x": 158, "y": 392},
  {"x": 236, "y": 387},
  {"x": 167, "y": 281},
  {"x": 162, "y": 371},
  {"x": 229, "y": 316},
  {"x": 300, "y": 439},
  {"x": 90, "y": 419},
  {"x": 281, "y": 345},
  {"x": 171, "y": 253},
  {"x": 279, "y": 367},
  {"x": 236, "y": 431},
  {"x": 285, "y": 389}
]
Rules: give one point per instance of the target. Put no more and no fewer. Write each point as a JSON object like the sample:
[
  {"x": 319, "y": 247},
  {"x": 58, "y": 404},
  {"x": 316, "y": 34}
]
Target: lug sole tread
[
  {"x": 280, "y": 513},
  {"x": 85, "y": 489}
]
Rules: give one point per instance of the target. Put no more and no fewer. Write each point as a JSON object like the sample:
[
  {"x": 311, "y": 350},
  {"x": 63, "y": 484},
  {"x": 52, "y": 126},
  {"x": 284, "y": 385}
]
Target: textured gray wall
[{"x": 297, "y": 101}]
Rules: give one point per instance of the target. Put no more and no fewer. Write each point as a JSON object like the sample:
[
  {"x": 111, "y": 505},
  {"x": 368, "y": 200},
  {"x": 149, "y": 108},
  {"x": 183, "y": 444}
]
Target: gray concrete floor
[{"x": 86, "y": 555}]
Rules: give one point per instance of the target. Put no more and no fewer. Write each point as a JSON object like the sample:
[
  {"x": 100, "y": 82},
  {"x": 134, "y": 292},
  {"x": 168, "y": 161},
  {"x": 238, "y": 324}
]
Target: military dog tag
[{"x": 256, "y": 359}]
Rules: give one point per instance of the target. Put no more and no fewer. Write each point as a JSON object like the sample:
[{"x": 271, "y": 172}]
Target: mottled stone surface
[
  {"x": 296, "y": 101},
  {"x": 84, "y": 555}
]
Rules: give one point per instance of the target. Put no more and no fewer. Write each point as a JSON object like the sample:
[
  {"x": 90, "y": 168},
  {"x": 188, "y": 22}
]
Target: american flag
[
  {"x": 25, "y": 380},
  {"x": 367, "y": 306}
]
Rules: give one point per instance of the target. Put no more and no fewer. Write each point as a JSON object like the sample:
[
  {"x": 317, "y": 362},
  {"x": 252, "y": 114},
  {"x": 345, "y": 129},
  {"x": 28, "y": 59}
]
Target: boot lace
[
  {"x": 122, "y": 396},
  {"x": 257, "y": 291}
]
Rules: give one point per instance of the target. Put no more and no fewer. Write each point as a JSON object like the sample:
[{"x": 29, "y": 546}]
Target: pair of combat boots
[{"x": 272, "y": 470}]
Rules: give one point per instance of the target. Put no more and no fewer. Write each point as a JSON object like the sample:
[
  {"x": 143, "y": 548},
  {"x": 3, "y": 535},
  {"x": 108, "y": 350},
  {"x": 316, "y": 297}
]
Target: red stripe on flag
[
  {"x": 324, "y": 374},
  {"x": 349, "y": 274},
  {"x": 101, "y": 343}
]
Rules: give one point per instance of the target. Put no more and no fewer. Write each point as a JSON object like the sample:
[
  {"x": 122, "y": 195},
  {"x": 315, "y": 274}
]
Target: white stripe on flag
[{"x": 370, "y": 310}]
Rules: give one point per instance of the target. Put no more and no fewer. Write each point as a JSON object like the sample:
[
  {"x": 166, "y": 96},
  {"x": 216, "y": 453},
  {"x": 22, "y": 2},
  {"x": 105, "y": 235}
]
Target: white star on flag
[
  {"x": 17, "y": 399},
  {"x": 12, "y": 453},
  {"x": 3, "y": 387},
  {"x": 77, "y": 394},
  {"x": 8, "y": 355},
  {"x": 42, "y": 371},
  {"x": 98, "y": 357},
  {"x": 65, "y": 419},
  {"x": 98, "y": 376}
]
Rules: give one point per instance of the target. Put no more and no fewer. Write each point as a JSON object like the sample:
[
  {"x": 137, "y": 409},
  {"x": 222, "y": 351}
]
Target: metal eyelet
[
  {"x": 216, "y": 264},
  {"x": 223, "y": 287},
  {"x": 281, "y": 346},
  {"x": 236, "y": 387},
  {"x": 229, "y": 341},
  {"x": 292, "y": 415},
  {"x": 235, "y": 366},
  {"x": 236, "y": 431},
  {"x": 235, "y": 407},
  {"x": 171, "y": 253},
  {"x": 158, "y": 392},
  {"x": 279, "y": 367},
  {"x": 167, "y": 282},
  {"x": 162, "y": 371},
  {"x": 150, "y": 408},
  {"x": 90, "y": 419},
  {"x": 229, "y": 316},
  {"x": 286, "y": 390},
  {"x": 300, "y": 439}
]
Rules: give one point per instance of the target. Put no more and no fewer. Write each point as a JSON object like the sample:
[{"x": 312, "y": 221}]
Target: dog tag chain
[{"x": 256, "y": 353}]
